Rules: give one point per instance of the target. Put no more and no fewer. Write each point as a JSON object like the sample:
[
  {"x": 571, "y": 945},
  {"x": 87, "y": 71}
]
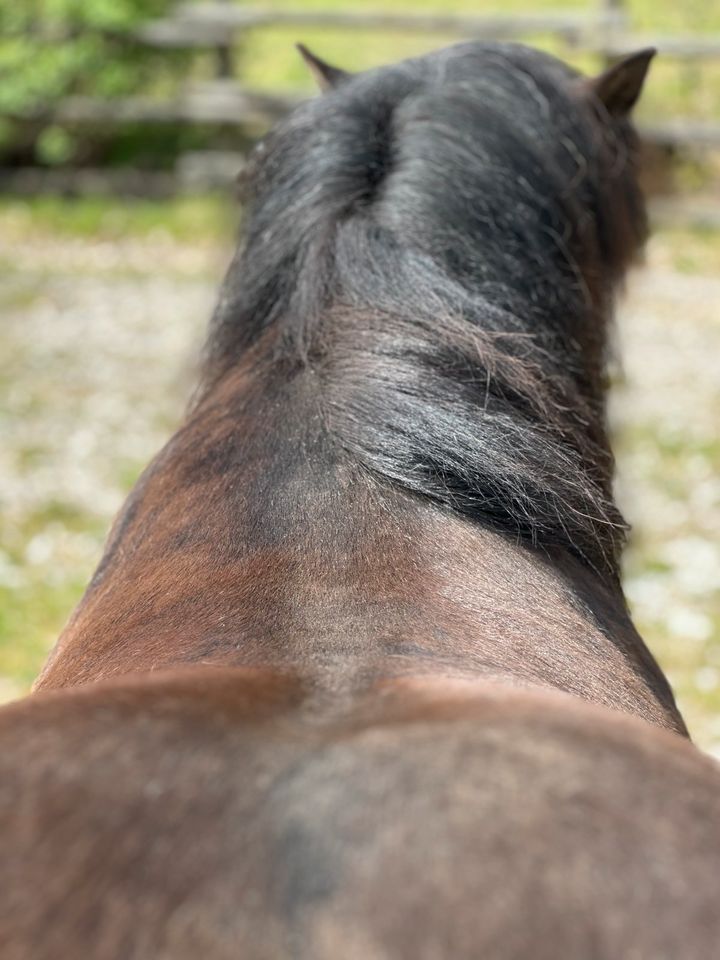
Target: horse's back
[{"x": 227, "y": 813}]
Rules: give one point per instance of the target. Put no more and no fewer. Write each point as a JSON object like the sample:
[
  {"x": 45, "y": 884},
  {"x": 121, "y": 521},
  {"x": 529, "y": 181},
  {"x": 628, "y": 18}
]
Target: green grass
[
  {"x": 691, "y": 249},
  {"x": 30, "y": 620},
  {"x": 684, "y": 629},
  {"x": 38, "y": 593},
  {"x": 194, "y": 219},
  {"x": 36, "y": 597}
]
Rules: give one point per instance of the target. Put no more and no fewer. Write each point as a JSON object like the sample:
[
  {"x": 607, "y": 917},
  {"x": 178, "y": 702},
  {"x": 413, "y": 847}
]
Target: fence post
[
  {"x": 615, "y": 11},
  {"x": 224, "y": 61}
]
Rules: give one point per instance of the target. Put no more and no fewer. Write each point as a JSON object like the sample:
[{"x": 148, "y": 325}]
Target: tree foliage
[{"x": 50, "y": 49}]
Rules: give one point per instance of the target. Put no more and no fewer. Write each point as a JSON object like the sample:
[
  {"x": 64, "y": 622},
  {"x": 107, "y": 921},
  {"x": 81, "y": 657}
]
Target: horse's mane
[{"x": 437, "y": 243}]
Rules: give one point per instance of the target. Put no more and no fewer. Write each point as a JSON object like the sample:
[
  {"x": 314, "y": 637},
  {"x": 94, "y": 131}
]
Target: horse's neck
[{"x": 244, "y": 545}]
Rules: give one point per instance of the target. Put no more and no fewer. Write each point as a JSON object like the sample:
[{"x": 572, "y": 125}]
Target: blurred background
[{"x": 123, "y": 124}]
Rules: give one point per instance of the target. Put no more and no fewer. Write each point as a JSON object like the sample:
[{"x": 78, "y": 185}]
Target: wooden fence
[{"x": 224, "y": 29}]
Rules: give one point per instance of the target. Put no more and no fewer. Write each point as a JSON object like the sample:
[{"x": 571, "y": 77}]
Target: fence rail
[
  {"x": 674, "y": 47},
  {"x": 220, "y": 25},
  {"x": 222, "y": 29},
  {"x": 195, "y": 24},
  {"x": 221, "y": 102},
  {"x": 230, "y": 104}
]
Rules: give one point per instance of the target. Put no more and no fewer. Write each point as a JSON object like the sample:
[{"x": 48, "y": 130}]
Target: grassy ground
[
  {"x": 666, "y": 412},
  {"x": 104, "y": 306}
]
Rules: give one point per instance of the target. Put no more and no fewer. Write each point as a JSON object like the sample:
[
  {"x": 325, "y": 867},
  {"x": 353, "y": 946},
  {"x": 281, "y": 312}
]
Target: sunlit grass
[
  {"x": 671, "y": 567},
  {"x": 191, "y": 219},
  {"x": 688, "y": 249}
]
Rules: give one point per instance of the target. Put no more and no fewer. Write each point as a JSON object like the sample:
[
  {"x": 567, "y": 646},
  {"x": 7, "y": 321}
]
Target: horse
[
  {"x": 355, "y": 675},
  {"x": 397, "y": 459}
]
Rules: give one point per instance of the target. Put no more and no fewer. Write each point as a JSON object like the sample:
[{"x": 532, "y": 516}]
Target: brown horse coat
[{"x": 220, "y": 813}]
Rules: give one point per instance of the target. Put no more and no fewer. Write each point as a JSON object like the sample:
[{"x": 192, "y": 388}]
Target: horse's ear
[
  {"x": 619, "y": 87},
  {"x": 326, "y": 76}
]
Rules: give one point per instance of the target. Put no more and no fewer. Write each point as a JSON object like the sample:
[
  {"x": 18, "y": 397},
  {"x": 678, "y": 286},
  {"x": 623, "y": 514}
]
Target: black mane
[{"x": 438, "y": 243}]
